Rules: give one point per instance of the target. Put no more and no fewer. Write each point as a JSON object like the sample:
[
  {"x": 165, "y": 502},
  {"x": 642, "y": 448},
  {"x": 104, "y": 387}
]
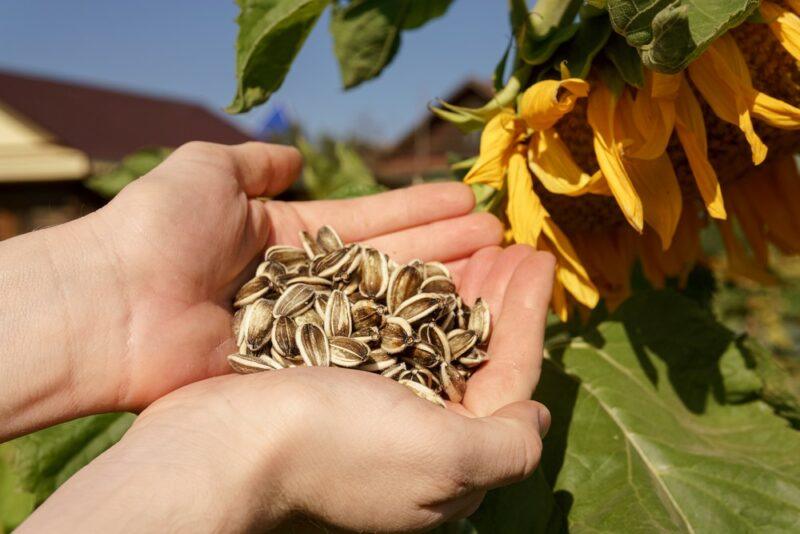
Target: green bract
[{"x": 670, "y": 33}]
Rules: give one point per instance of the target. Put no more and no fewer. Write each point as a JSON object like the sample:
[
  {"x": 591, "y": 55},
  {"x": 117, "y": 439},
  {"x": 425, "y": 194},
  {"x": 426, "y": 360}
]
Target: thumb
[{"x": 507, "y": 445}]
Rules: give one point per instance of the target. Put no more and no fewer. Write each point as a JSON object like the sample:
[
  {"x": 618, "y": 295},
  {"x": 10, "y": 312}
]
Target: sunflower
[{"x": 603, "y": 174}]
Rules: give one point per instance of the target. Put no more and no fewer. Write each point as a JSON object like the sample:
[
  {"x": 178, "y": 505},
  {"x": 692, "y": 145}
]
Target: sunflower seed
[
  {"x": 395, "y": 370},
  {"x": 425, "y": 355},
  {"x": 367, "y": 313},
  {"x": 251, "y": 291},
  {"x": 396, "y": 335},
  {"x": 461, "y": 342},
  {"x": 309, "y": 316},
  {"x": 283, "y": 332},
  {"x": 453, "y": 383},
  {"x": 473, "y": 358},
  {"x": 480, "y": 320},
  {"x": 258, "y": 325},
  {"x": 247, "y": 364},
  {"x": 435, "y": 268},
  {"x": 294, "y": 301},
  {"x": 317, "y": 282},
  {"x": 378, "y": 360},
  {"x": 433, "y": 335},
  {"x": 348, "y": 352},
  {"x": 370, "y": 335},
  {"x": 423, "y": 392},
  {"x": 419, "y": 307},
  {"x": 338, "y": 321},
  {"x": 312, "y": 343},
  {"x": 374, "y": 273},
  {"x": 328, "y": 240},
  {"x": 310, "y": 246},
  {"x": 403, "y": 284},
  {"x": 333, "y": 261},
  {"x": 290, "y": 257},
  {"x": 437, "y": 284}
]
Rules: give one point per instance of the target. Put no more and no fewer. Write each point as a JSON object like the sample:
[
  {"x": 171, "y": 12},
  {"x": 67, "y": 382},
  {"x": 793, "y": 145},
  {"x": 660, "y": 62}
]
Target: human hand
[
  {"x": 344, "y": 447},
  {"x": 133, "y": 301}
]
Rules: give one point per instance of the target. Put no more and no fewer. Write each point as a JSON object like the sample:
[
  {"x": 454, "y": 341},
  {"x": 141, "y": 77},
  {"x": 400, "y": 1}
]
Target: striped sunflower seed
[
  {"x": 328, "y": 240},
  {"x": 403, "y": 284},
  {"x": 313, "y": 345},
  {"x": 252, "y": 290},
  {"x": 396, "y": 335},
  {"x": 338, "y": 320},
  {"x": 348, "y": 352},
  {"x": 453, "y": 383},
  {"x": 480, "y": 320},
  {"x": 295, "y": 300},
  {"x": 374, "y": 273}
]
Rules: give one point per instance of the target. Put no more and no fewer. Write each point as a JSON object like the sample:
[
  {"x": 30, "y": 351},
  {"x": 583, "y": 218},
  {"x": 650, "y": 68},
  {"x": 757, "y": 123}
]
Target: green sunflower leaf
[
  {"x": 626, "y": 60},
  {"x": 644, "y": 439},
  {"x": 367, "y": 33},
  {"x": 33, "y": 466},
  {"x": 271, "y": 33},
  {"x": 669, "y": 34},
  {"x": 108, "y": 184}
]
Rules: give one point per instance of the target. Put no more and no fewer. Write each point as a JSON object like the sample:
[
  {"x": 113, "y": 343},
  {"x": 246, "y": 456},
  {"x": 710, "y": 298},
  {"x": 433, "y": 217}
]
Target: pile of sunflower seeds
[{"x": 331, "y": 304}]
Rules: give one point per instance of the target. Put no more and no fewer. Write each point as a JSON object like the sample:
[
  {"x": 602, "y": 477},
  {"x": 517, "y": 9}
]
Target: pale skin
[{"x": 129, "y": 309}]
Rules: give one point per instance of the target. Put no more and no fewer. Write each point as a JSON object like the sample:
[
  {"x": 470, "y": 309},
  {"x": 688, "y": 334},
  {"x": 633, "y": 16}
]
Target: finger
[
  {"x": 362, "y": 218},
  {"x": 476, "y": 271},
  {"x": 504, "y": 448},
  {"x": 456, "y": 268},
  {"x": 442, "y": 240},
  {"x": 264, "y": 169},
  {"x": 493, "y": 285},
  {"x": 515, "y": 349}
]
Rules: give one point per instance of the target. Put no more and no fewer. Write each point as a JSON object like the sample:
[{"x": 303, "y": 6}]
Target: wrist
[{"x": 56, "y": 326}]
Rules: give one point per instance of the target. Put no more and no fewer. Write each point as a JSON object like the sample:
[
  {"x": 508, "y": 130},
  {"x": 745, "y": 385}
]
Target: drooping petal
[
  {"x": 569, "y": 269},
  {"x": 559, "y": 301},
  {"x": 524, "y": 210},
  {"x": 785, "y": 25},
  {"x": 544, "y": 103},
  {"x": 774, "y": 112},
  {"x": 657, "y": 185},
  {"x": 654, "y": 117},
  {"x": 497, "y": 143},
  {"x": 691, "y": 130},
  {"x": 601, "y": 116},
  {"x": 551, "y": 161},
  {"x": 721, "y": 76}
]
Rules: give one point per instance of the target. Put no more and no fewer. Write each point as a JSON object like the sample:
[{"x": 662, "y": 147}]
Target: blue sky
[{"x": 184, "y": 48}]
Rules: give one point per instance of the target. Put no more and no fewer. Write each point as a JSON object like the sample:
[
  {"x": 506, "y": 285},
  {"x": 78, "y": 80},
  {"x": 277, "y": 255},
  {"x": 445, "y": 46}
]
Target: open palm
[{"x": 188, "y": 234}]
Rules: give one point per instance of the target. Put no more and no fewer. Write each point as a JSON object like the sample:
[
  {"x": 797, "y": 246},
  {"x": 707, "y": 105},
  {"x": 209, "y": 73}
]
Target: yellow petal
[
  {"x": 691, "y": 130},
  {"x": 785, "y": 25},
  {"x": 497, "y": 142},
  {"x": 721, "y": 76},
  {"x": 551, "y": 161},
  {"x": 657, "y": 186},
  {"x": 524, "y": 210},
  {"x": 774, "y": 112},
  {"x": 666, "y": 86},
  {"x": 569, "y": 268},
  {"x": 544, "y": 103},
  {"x": 651, "y": 256},
  {"x": 654, "y": 119},
  {"x": 600, "y": 114},
  {"x": 559, "y": 301}
]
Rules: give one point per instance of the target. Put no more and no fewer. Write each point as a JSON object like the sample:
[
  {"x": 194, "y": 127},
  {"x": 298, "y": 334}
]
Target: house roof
[{"x": 108, "y": 124}]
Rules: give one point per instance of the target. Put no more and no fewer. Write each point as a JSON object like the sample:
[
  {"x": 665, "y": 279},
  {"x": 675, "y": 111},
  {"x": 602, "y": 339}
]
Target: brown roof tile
[{"x": 108, "y": 124}]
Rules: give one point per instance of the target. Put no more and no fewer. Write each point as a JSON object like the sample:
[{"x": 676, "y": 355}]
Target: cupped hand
[
  {"x": 185, "y": 236},
  {"x": 342, "y": 447}
]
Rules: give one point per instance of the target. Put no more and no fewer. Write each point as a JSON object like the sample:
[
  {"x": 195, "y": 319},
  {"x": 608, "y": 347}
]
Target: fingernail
[{"x": 544, "y": 421}]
